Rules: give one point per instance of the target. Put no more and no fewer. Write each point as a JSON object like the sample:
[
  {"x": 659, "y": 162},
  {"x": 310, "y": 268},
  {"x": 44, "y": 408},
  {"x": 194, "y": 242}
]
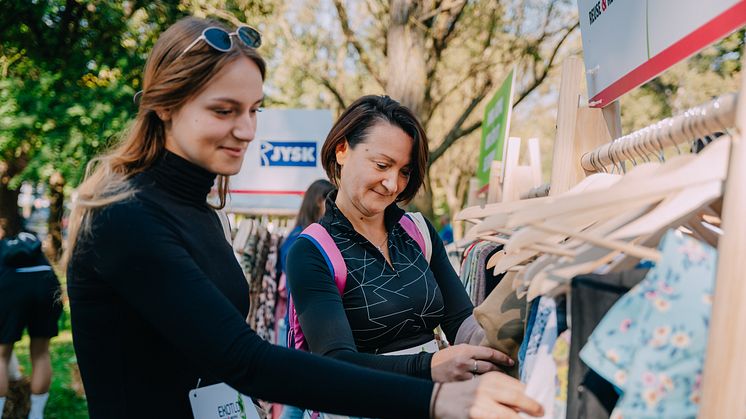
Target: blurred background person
[
  {"x": 311, "y": 210},
  {"x": 29, "y": 300}
]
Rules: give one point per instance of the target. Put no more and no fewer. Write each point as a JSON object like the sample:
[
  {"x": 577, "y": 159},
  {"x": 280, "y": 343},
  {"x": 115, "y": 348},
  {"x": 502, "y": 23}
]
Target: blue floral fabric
[{"x": 651, "y": 344}]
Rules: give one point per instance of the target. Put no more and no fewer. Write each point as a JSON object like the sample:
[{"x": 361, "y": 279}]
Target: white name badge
[{"x": 221, "y": 401}]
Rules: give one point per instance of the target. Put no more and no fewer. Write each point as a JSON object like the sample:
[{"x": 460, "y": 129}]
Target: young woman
[{"x": 158, "y": 300}]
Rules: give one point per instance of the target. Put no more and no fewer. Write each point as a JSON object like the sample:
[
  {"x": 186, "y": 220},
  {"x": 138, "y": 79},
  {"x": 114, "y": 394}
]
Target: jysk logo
[
  {"x": 598, "y": 9},
  {"x": 276, "y": 153}
]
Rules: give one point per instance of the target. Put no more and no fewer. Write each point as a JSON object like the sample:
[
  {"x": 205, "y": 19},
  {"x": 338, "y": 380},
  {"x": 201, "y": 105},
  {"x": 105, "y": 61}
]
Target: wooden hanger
[
  {"x": 655, "y": 186},
  {"x": 581, "y": 221},
  {"x": 669, "y": 213},
  {"x": 671, "y": 210},
  {"x": 537, "y": 247},
  {"x": 588, "y": 257},
  {"x": 506, "y": 261},
  {"x": 596, "y": 181}
]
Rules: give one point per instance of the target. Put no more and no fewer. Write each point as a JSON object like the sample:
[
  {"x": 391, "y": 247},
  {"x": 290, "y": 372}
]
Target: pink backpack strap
[
  {"x": 337, "y": 267},
  {"x": 324, "y": 242},
  {"x": 414, "y": 232}
]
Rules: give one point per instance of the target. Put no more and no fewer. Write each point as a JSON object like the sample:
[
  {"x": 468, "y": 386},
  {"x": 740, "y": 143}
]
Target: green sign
[{"x": 495, "y": 128}]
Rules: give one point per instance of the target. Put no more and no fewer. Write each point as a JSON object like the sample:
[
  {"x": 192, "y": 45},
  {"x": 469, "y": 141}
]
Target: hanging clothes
[
  {"x": 651, "y": 344},
  {"x": 503, "y": 317},
  {"x": 589, "y": 395},
  {"x": 267, "y": 294},
  {"x": 477, "y": 279},
  {"x": 255, "y": 272},
  {"x": 260, "y": 262},
  {"x": 538, "y": 369},
  {"x": 561, "y": 356}
]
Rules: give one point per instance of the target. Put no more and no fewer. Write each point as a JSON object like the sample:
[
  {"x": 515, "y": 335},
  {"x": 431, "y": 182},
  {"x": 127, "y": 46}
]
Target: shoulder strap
[
  {"x": 225, "y": 223},
  {"x": 333, "y": 257},
  {"x": 416, "y": 226},
  {"x": 324, "y": 242}
]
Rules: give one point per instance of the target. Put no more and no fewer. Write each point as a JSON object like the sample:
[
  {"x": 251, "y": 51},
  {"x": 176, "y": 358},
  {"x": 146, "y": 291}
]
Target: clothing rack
[
  {"x": 701, "y": 121},
  {"x": 725, "y": 361},
  {"x": 584, "y": 145}
]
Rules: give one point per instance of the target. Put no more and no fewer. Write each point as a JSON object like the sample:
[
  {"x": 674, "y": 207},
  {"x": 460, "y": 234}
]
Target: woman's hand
[
  {"x": 492, "y": 396},
  {"x": 464, "y": 362}
]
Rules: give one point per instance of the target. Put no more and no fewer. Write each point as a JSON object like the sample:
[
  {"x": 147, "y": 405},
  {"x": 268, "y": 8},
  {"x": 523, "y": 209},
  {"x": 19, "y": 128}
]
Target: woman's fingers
[
  {"x": 503, "y": 380},
  {"x": 492, "y": 411},
  {"x": 494, "y": 395},
  {"x": 484, "y": 367},
  {"x": 492, "y": 355},
  {"x": 504, "y": 390}
]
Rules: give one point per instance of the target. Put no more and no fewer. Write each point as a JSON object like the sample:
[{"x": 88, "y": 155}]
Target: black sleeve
[
  {"x": 170, "y": 291},
  {"x": 323, "y": 320},
  {"x": 458, "y": 306}
]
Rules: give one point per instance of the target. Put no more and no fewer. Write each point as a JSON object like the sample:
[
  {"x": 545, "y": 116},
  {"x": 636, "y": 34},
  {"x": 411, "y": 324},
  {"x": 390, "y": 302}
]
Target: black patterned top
[{"x": 385, "y": 307}]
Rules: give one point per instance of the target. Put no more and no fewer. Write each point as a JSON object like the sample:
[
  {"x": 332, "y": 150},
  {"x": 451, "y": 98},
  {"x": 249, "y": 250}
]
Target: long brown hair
[
  {"x": 169, "y": 81},
  {"x": 353, "y": 126}
]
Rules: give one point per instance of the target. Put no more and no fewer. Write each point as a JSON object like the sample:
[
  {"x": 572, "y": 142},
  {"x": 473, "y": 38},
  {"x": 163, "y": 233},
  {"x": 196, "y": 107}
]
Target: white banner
[
  {"x": 628, "y": 42},
  {"x": 281, "y": 162}
]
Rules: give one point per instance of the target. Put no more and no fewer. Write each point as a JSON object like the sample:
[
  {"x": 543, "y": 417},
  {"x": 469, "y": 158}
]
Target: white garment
[{"x": 540, "y": 369}]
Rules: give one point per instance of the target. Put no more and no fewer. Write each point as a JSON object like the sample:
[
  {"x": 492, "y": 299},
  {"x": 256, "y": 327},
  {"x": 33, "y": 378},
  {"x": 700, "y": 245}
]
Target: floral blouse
[{"x": 651, "y": 344}]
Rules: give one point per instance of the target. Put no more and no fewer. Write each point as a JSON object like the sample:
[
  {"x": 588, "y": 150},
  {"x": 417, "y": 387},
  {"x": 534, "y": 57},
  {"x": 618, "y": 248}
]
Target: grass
[{"x": 64, "y": 402}]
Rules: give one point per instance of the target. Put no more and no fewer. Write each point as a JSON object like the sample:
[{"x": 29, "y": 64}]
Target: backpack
[
  {"x": 21, "y": 251},
  {"x": 412, "y": 222}
]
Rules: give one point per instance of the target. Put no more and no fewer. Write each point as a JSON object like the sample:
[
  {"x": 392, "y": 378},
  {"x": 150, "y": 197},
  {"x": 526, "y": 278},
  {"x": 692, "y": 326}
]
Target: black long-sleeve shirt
[
  {"x": 158, "y": 301},
  {"x": 384, "y": 308}
]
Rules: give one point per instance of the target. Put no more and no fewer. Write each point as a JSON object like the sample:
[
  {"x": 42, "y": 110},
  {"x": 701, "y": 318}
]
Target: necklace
[{"x": 379, "y": 247}]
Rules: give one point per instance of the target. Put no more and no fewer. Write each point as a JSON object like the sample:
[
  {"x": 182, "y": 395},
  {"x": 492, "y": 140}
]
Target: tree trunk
[
  {"x": 423, "y": 201},
  {"x": 10, "y": 218},
  {"x": 56, "y": 209},
  {"x": 406, "y": 74}
]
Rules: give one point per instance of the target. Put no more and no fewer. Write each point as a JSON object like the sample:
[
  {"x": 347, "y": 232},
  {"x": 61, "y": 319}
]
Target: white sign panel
[
  {"x": 282, "y": 161},
  {"x": 628, "y": 42},
  {"x": 220, "y": 401}
]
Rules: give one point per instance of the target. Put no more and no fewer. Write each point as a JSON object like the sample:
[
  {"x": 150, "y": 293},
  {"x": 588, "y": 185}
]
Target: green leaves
[{"x": 68, "y": 70}]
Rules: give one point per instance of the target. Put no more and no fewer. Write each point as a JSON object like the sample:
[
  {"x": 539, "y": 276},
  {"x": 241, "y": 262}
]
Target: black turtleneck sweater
[
  {"x": 385, "y": 307},
  {"x": 158, "y": 302}
]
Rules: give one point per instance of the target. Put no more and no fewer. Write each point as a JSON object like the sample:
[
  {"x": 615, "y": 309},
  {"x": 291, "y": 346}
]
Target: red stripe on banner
[
  {"x": 483, "y": 189},
  {"x": 253, "y": 192},
  {"x": 718, "y": 27}
]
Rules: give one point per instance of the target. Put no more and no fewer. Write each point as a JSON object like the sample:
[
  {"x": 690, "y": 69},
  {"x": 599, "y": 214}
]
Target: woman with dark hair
[
  {"x": 311, "y": 211},
  {"x": 396, "y": 292},
  {"x": 157, "y": 297}
]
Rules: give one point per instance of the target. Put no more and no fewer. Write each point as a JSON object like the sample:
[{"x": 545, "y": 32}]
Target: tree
[
  {"x": 433, "y": 56},
  {"x": 69, "y": 70}
]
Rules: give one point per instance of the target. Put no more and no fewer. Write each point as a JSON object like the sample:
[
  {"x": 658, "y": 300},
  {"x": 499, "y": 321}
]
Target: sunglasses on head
[{"x": 222, "y": 40}]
